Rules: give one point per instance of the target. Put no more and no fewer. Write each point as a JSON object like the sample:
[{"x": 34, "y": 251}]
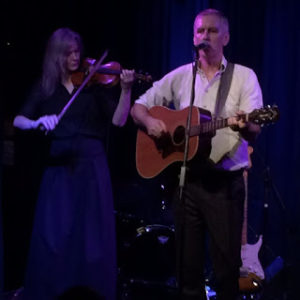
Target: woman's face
[{"x": 73, "y": 57}]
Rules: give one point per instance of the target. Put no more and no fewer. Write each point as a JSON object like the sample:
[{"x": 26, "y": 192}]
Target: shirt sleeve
[
  {"x": 163, "y": 91},
  {"x": 251, "y": 95}
]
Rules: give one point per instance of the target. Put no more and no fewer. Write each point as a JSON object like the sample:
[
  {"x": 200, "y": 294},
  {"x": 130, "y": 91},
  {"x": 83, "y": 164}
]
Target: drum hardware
[
  {"x": 148, "y": 261},
  {"x": 150, "y": 257}
]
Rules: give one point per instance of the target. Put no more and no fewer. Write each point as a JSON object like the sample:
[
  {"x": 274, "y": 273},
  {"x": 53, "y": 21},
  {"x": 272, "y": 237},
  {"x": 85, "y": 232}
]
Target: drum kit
[{"x": 146, "y": 260}]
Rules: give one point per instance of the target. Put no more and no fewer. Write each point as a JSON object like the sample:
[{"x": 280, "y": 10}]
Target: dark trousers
[{"x": 213, "y": 203}]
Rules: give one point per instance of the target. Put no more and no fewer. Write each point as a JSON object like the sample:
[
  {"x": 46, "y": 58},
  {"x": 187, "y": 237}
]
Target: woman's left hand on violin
[{"x": 127, "y": 78}]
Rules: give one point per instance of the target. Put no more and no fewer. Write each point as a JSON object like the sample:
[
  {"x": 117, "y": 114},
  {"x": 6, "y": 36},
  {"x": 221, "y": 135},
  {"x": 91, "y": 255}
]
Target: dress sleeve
[{"x": 31, "y": 107}]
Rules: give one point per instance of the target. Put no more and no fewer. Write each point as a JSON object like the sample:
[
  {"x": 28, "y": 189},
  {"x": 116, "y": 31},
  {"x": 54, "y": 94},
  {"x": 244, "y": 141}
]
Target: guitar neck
[
  {"x": 212, "y": 126},
  {"x": 208, "y": 127}
]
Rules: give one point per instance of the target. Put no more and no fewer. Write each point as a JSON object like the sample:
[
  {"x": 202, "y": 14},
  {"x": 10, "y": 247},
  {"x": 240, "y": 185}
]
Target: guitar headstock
[{"x": 266, "y": 115}]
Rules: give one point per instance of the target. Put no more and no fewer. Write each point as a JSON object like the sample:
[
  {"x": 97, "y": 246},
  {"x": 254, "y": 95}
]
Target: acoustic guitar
[{"x": 153, "y": 155}]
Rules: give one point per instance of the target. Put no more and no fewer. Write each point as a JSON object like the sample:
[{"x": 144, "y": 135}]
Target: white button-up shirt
[{"x": 229, "y": 149}]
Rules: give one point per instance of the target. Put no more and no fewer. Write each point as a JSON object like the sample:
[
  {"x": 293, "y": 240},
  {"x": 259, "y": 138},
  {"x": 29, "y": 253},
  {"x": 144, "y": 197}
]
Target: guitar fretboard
[{"x": 208, "y": 127}]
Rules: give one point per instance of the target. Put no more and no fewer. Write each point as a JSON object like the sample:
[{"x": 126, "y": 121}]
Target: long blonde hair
[{"x": 54, "y": 65}]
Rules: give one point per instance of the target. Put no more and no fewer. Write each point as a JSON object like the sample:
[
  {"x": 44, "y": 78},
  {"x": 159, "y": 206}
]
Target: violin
[{"x": 107, "y": 75}]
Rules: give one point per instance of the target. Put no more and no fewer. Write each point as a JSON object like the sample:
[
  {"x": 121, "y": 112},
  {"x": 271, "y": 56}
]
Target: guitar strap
[{"x": 223, "y": 90}]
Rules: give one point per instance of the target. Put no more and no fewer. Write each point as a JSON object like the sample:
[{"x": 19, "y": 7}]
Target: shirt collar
[{"x": 222, "y": 67}]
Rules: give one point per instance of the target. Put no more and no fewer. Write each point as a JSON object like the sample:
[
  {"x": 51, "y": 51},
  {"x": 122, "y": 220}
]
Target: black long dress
[{"x": 73, "y": 238}]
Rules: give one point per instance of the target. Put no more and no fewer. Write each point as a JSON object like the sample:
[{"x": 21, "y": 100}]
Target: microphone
[{"x": 202, "y": 45}]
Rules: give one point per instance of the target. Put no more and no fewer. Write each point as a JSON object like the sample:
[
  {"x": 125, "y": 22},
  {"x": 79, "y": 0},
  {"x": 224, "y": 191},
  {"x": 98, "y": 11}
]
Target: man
[{"x": 214, "y": 189}]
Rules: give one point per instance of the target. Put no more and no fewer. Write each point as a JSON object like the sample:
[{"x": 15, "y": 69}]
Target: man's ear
[
  {"x": 226, "y": 39},
  {"x": 194, "y": 40}
]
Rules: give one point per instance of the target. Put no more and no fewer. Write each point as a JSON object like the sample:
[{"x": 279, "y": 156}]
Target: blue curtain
[{"x": 280, "y": 82}]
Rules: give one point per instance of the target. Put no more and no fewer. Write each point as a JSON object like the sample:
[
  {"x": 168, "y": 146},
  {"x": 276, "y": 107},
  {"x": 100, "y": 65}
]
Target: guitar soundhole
[{"x": 179, "y": 134}]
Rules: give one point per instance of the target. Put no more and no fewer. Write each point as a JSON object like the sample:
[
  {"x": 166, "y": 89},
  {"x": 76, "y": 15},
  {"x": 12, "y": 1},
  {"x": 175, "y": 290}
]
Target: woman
[{"x": 73, "y": 239}]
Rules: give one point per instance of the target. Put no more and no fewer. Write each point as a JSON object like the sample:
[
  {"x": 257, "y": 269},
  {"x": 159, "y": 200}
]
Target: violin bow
[{"x": 86, "y": 80}]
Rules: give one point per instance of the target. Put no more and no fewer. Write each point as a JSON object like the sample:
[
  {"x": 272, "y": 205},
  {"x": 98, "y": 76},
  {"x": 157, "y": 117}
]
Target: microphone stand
[
  {"x": 187, "y": 131},
  {"x": 270, "y": 191},
  {"x": 182, "y": 175}
]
